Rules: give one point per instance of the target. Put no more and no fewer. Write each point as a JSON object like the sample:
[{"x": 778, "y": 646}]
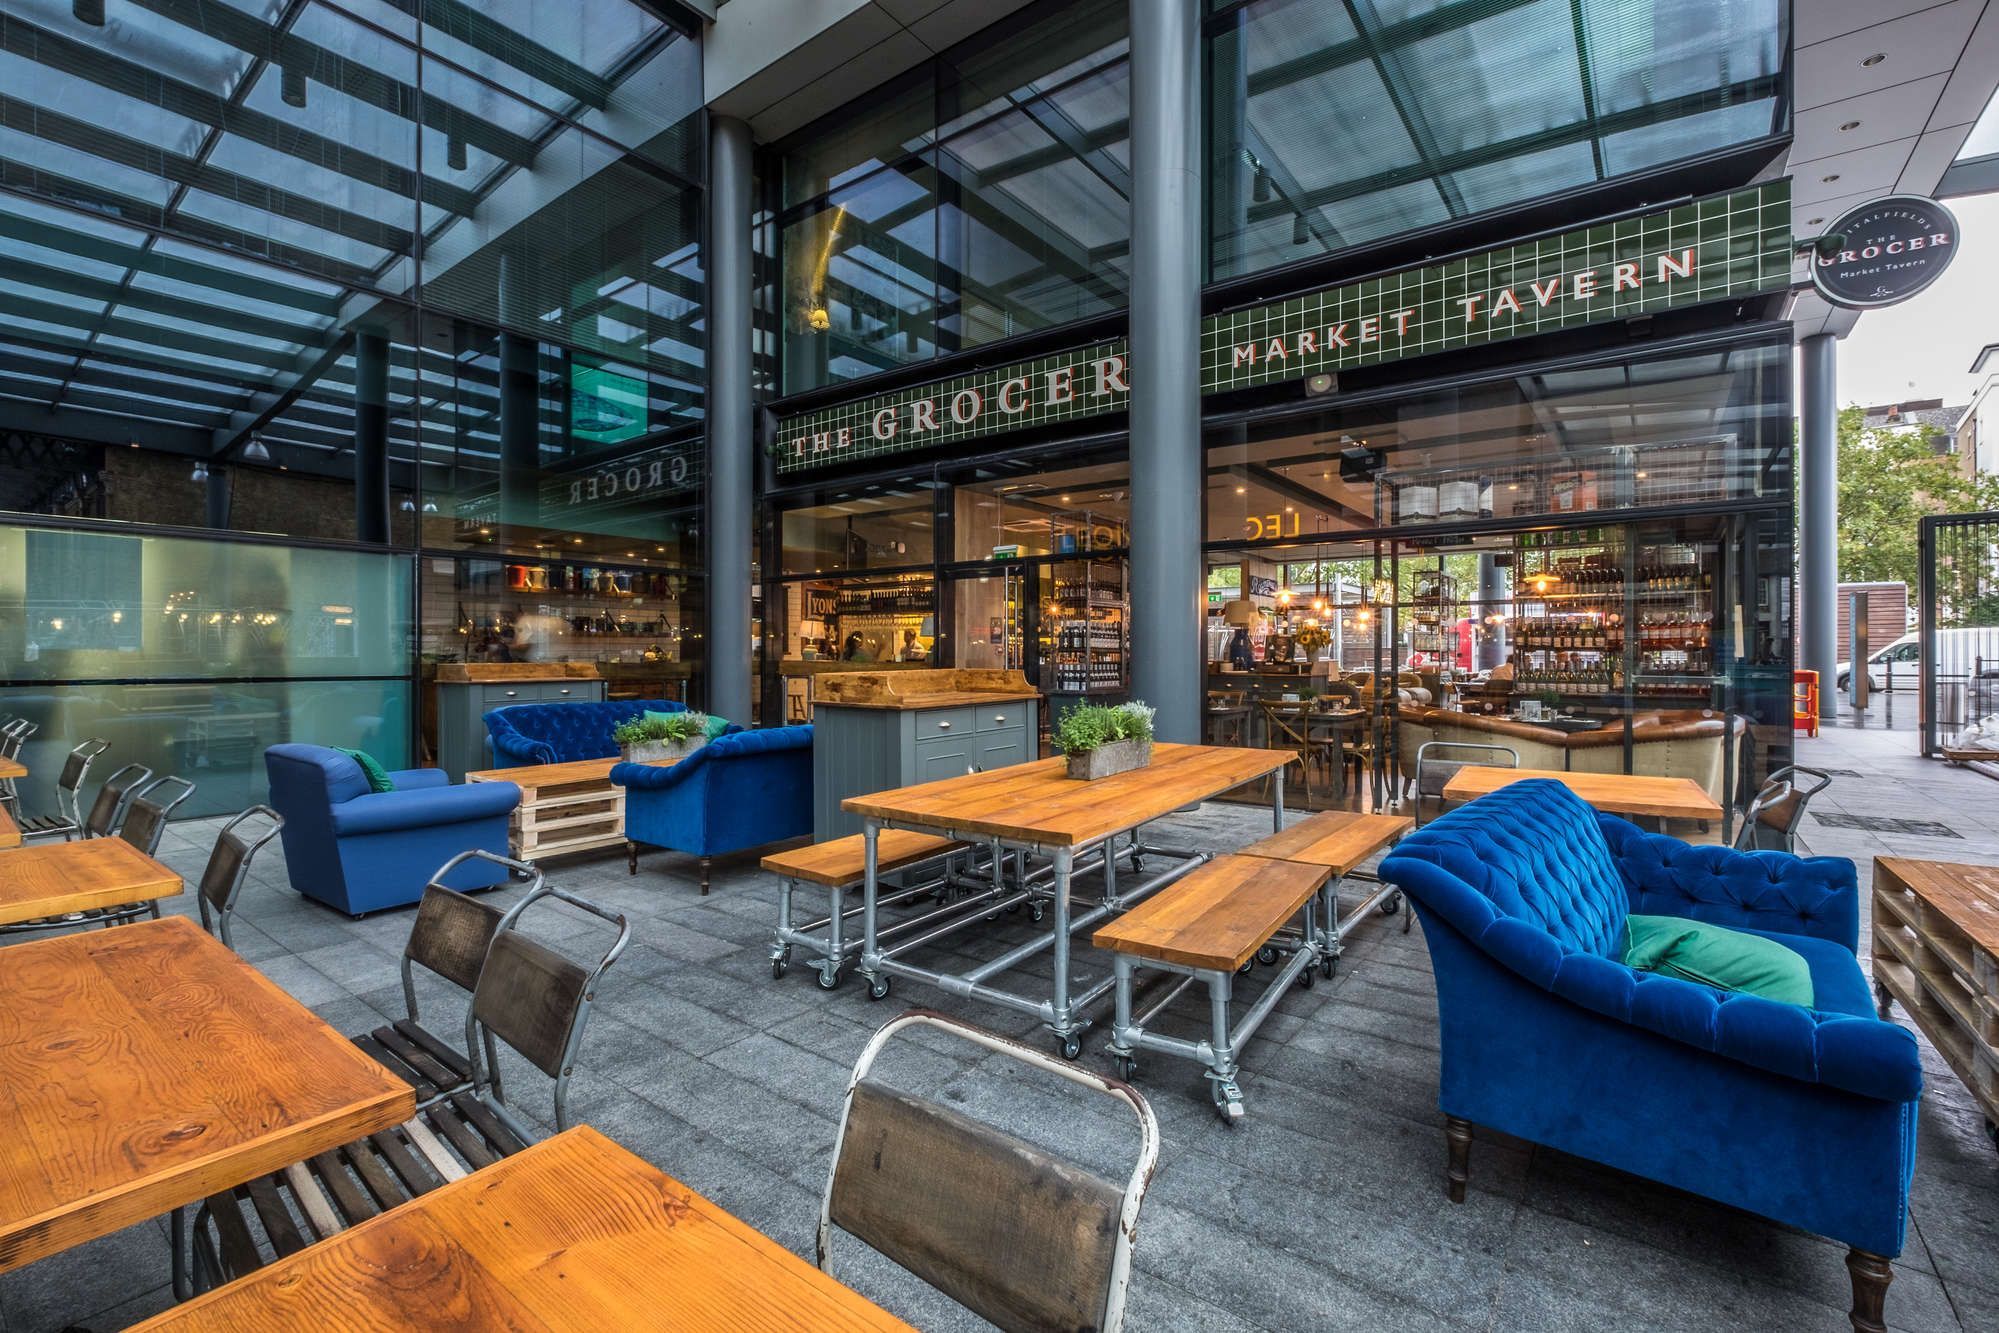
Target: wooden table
[
  {"x": 573, "y": 1233},
  {"x": 1936, "y": 949},
  {"x": 148, "y": 1067},
  {"x": 1619, "y": 793},
  {"x": 12, "y": 768},
  {"x": 10, "y": 832},
  {"x": 1036, "y": 808},
  {"x": 568, "y": 807},
  {"x": 1308, "y": 719},
  {"x": 1339, "y": 840},
  {"x": 53, "y": 878}
]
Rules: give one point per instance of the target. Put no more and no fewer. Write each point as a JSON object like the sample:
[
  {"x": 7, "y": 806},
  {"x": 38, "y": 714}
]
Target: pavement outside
[{"x": 1324, "y": 1208}]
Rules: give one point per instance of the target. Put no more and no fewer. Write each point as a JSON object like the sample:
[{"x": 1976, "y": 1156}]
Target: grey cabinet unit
[
  {"x": 462, "y": 708},
  {"x": 858, "y": 749}
]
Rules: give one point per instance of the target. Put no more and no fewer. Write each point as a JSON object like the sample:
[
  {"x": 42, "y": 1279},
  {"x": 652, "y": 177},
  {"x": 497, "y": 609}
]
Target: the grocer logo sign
[{"x": 1884, "y": 251}]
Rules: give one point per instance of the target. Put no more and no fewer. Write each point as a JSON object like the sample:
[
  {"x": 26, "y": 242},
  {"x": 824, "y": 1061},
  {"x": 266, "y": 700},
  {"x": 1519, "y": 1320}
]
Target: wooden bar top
[
  {"x": 1216, "y": 917},
  {"x": 1619, "y": 793},
  {"x": 1039, "y": 803},
  {"x": 1339, "y": 840},
  {"x": 931, "y": 688},
  {"x": 531, "y": 777},
  {"x": 574, "y": 1233},
  {"x": 10, "y": 832},
  {"x": 52, "y": 878},
  {"x": 148, "y": 1067},
  {"x": 1968, "y": 895},
  {"x": 472, "y": 673}
]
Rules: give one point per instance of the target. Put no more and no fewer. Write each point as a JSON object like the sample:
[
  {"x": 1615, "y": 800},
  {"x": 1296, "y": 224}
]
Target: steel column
[
  {"x": 1818, "y": 516},
  {"x": 216, "y": 496},
  {"x": 1165, "y": 370},
  {"x": 520, "y": 430},
  {"x": 729, "y": 528},
  {"x": 371, "y": 437}
]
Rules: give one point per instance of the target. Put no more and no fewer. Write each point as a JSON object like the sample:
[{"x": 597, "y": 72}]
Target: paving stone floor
[{"x": 1324, "y": 1209}]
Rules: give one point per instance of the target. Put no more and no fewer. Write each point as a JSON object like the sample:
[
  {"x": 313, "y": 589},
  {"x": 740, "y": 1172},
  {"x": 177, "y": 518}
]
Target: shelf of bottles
[
  {"x": 1433, "y": 616},
  {"x": 1590, "y": 621},
  {"x": 1086, "y": 628},
  {"x": 595, "y": 610}
]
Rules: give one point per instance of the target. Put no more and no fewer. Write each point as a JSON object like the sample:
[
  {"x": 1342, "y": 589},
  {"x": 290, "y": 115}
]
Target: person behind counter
[
  {"x": 912, "y": 651},
  {"x": 854, "y": 650}
]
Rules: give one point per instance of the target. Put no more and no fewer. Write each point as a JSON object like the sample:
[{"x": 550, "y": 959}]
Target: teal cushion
[
  {"x": 1731, "y": 960},
  {"x": 371, "y": 769},
  {"x": 716, "y": 726}
]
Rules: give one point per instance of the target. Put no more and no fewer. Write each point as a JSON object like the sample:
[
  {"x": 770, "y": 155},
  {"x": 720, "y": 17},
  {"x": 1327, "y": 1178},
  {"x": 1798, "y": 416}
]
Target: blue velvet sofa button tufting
[
  {"x": 556, "y": 733},
  {"x": 1806, "y": 1116},
  {"x": 741, "y": 790}
]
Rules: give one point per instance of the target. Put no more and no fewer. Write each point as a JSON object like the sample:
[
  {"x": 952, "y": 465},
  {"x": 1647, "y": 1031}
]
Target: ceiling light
[
  {"x": 430, "y": 506},
  {"x": 291, "y": 85},
  {"x": 1850, "y": 125},
  {"x": 1873, "y": 60},
  {"x": 408, "y": 505},
  {"x": 1830, "y": 179},
  {"x": 89, "y": 11},
  {"x": 454, "y": 153},
  {"x": 1065, "y": 499},
  {"x": 1261, "y": 191},
  {"x": 256, "y": 451},
  {"x": 200, "y": 473},
  {"x": 1242, "y": 490}
]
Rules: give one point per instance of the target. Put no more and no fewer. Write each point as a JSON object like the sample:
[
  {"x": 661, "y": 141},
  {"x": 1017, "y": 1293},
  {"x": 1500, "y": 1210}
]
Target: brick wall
[{"x": 147, "y": 487}]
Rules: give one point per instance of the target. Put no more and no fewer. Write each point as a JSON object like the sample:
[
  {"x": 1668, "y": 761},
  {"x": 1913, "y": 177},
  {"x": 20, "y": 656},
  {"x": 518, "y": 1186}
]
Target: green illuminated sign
[
  {"x": 605, "y": 407},
  {"x": 1723, "y": 246}
]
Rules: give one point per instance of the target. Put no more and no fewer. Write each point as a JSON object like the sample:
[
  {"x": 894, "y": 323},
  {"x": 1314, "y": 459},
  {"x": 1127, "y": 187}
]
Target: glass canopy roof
[{"x": 200, "y": 200}]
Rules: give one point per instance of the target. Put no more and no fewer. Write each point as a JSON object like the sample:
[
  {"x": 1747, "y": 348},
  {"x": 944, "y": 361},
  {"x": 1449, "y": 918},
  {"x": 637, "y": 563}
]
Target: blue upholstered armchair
[
  {"x": 1806, "y": 1116},
  {"x": 738, "y": 791},
  {"x": 360, "y": 851},
  {"x": 559, "y": 732}
]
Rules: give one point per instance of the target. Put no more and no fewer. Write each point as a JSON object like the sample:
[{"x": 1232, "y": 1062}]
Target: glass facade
[
  {"x": 1332, "y": 126},
  {"x": 983, "y": 197}
]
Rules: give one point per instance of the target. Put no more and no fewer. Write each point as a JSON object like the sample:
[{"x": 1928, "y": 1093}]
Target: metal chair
[
  {"x": 12, "y": 737},
  {"x": 107, "y": 812},
  {"x": 1018, "y": 1236},
  {"x": 530, "y": 997},
  {"x": 1778, "y": 808},
  {"x": 228, "y": 866},
  {"x": 146, "y": 816},
  {"x": 1432, "y": 776},
  {"x": 68, "y": 817}
]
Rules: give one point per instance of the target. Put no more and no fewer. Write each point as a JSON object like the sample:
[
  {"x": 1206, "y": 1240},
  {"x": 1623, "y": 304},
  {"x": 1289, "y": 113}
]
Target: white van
[{"x": 1962, "y": 654}]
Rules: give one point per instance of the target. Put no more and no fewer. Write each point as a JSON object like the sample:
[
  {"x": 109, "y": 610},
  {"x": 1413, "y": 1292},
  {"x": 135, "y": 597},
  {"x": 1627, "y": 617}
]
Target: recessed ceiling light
[
  {"x": 1814, "y": 222},
  {"x": 1830, "y": 179},
  {"x": 1873, "y": 60},
  {"x": 1850, "y": 125}
]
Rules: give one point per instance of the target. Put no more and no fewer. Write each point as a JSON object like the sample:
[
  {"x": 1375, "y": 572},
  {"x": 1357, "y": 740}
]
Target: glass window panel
[
  {"x": 69, "y": 164},
  {"x": 255, "y": 224},
  {"x": 1666, "y": 141},
  {"x": 1508, "y": 180},
  {"x": 879, "y": 528},
  {"x": 1641, "y": 55}
]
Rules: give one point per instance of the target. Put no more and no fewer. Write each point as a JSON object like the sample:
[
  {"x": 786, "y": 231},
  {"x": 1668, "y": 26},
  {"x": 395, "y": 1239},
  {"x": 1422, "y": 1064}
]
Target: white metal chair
[{"x": 1020, "y": 1237}]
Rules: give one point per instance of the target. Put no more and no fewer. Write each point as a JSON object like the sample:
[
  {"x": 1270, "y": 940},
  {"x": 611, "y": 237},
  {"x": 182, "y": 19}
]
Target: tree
[{"x": 1889, "y": 480}]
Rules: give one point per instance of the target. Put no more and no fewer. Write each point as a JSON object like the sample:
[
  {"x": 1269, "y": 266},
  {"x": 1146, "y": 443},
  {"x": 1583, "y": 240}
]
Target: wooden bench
[
  {"x": 840, "y": 865},
  {"x": 1207, "y": 925},
  {"x": 1339, "y": 840}
]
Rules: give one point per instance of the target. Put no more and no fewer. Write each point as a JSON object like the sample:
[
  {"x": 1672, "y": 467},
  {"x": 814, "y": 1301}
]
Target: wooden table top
[
  {"x": 12, "y": 768},
  {"x": 1619, "y": 793},
  {"x": 1967, "y": 895},
  {"x": 1039, "y": 803},
  {"x": 10, "y": 832},
  {"x": 530, "y": 776},
  {"x": 51, "y": 878},
  {"x": 148, "y": 1067},
  {"x": 573, "y": 1233},
  {"x": 1337, "y": 839},
  {"x": 1217, "y": 916}
]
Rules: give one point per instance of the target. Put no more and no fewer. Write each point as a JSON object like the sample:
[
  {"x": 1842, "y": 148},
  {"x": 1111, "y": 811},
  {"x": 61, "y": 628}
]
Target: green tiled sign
[{"x": 1721, "y": 246}]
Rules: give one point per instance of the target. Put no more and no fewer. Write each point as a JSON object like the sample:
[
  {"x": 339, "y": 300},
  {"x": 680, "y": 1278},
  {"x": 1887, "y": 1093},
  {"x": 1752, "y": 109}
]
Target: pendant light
[
  {"x": 256, "y": 451},
  {"x": 454, "y": 153},
  {"x": 1300, "y": 233},
  {"x": 1262, "y": 189},
  {"x": 89, "y": 11},
  {"x": 291, "y": 85}
]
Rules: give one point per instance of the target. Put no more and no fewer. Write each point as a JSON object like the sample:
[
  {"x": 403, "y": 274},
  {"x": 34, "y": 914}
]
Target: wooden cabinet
[{"x": 466, "y": 691}]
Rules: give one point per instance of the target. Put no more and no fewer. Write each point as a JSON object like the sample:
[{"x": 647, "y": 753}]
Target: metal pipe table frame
[{"x": 879, "y": 964}]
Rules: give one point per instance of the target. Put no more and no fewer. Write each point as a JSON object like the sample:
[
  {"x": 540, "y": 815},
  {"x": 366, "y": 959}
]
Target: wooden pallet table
[
  {"x": 565, "y": 808},
  {"x": 1936, "y": 950}
]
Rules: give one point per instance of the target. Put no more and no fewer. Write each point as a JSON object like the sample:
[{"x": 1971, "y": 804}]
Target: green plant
[
  {"x": 661, "y": 727},
  {"x": 1086, "y": 727},
  {"x": 1550, "y": 699}
]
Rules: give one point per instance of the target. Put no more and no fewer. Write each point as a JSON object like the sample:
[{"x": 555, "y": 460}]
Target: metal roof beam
[
  {"x": 222, "y": 319},
  {"x": 223, "y": 281},
  {"x": 481, "y": 33}
]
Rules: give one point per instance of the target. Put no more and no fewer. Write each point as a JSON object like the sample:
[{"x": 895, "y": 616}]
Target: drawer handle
[
  {"x": 943, "y": 726},
  {"x": 565, "y": 691},
  {"x": 512, "y": 693},
  {"x": 999, "y": 717}
]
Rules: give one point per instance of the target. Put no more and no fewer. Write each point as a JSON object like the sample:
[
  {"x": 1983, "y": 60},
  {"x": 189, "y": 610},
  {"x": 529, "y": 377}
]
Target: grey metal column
[
  {"x": 1165, "y": 371},
  {"x": 1818, "y": 516},
  {"x": 1488, "y": 637},
  {"x": 728, "y": 528},
  {"x": 520, "y": 430},
  {"x": 371, "y": 437},
  {"x": 216, "y": 495}
]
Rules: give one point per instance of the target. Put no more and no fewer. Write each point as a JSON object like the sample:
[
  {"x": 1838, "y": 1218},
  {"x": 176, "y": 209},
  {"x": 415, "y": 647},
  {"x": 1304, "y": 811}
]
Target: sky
[{"x": 1923, "y": 348}]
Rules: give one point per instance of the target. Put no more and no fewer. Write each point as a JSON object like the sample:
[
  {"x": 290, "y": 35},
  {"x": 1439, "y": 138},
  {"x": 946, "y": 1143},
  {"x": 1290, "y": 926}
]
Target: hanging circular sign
[{"x": 1888, "y": 250}]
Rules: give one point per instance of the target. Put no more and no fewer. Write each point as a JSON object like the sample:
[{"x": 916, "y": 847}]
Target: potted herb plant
[
  {"x": 650, "y": 737},
  {"x": 1102, "y": 739}
]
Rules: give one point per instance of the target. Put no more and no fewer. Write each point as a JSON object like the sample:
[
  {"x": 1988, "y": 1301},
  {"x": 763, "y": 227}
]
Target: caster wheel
[
  {"x": 777, "y": 969},
  {"x": 1392, "y": 905},
  {"x": 1137, "y": 864},
  {"x": 1307, "y": 977},
  {"x": 1035, "y": 912},
  {"x": 1127, "y": 1068},
  {"x": 1068, "y": 1047},
  {"x": 1267, "y": 956},
  {"x": 1013, "y": 909},
  {"x": 1328, "y": 967},
  {"x": 878, "y": 988},
  {"x": 1246, "y": 968},
  {"x": 828, "y": 980}
]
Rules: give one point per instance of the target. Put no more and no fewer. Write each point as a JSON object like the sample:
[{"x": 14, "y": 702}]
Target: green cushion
[
  {"x": 716, "y": 726},
  {"x": 1731, "y": 960},
  {"x": 378, "y": 777}
]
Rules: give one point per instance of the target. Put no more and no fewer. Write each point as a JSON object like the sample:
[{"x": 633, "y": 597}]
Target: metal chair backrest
[
  {"x": 146, "y": 817},
  {"x": 69, "y": 783},
  {"x": 1021, "y": 1237},
  {"x": 535, "y": 1000},
  {"x": 228, "y": 866},
  {"x": 107, "y": 812},
  {"x": 454, "y": 930},
  {"x": 1433, "y": 773},
  {"x": 14, "y": 736},
  {"x": 1778, "y": 808}
]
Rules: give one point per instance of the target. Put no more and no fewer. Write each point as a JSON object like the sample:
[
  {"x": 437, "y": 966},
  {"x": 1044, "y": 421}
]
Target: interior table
[
  {"x": 1036, "y": 809},
  {"x": 149, "y": 1067},
  {"x": 1618, "y": 793},
  {"x": 573, "y": 1233},
  {"x": 56, "y": 878}
]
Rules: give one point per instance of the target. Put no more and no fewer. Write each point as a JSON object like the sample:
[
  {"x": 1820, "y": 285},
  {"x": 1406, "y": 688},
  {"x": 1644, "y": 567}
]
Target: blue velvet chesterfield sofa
[
  {"x": 738, "y": 791},
  {"x": 360, "y": 851},
  {"x": 1805, "y": 1116},
  {"x": 560, "y": 732}
]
